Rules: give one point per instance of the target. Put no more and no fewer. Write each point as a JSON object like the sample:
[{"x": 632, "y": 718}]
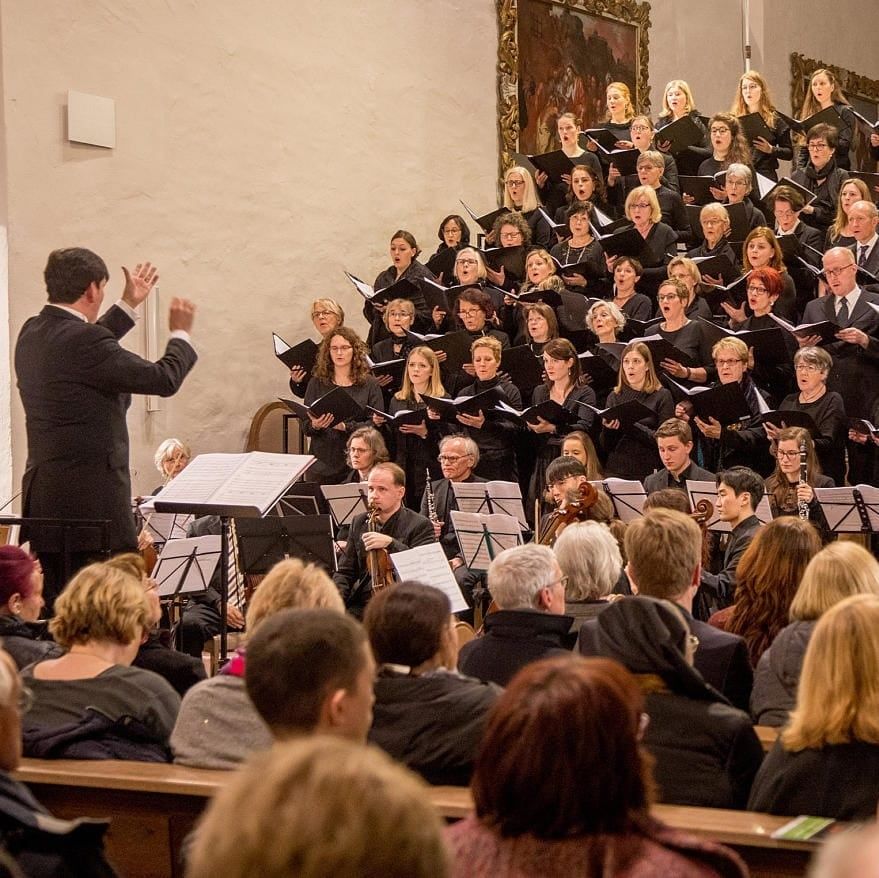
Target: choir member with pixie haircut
[{"x": 821, "y": 175}]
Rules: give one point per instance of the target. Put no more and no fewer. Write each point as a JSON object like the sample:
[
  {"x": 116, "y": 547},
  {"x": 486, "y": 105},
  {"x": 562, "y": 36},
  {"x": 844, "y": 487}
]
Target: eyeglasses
[
  {"x": 713, "y": 221},
  {"x": 452, "y": 458},
  {"x": 720, "y": 130},
  {"x": 668, "y": 297},
  {"x": 642, "y": 204},
  {"x": 787, "y": 455},
  {"x": 818, "y": 146},
  {"x": 640, "y": 128},
  {"x": 399, "y": 314},
  {"x": 466, "y": 261},
  {"x": 341, "y": 349},
  {"x": 836, "y": 272},
  {"x": 563, "y": 582},
  {"x": 473, "y": 313},
  {"x": 726, "y": 363},
  {"x": 510, "y": 236},
  {"x": 807, "y": 367},
  {"x": 315, "y": 314},
  {"x": 25, "y": 700},
  {"x": 762, "y": 291},
  {"x": 739, "y": 184},
  {"x": 512, "y": 183}
]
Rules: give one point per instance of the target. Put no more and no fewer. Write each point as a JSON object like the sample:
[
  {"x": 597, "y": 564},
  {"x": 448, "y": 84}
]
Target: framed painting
[
  {"x": 861, "y": 91},
  {"x": 557, "y": 56}
]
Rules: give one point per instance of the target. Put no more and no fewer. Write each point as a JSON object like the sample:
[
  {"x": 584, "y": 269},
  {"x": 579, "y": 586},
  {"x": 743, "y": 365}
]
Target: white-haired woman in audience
[
  {"x": 826, "y": 760},
  {"x": 90, "y": 703},
  {"x": 218, "y": 726},
  {"x": 590, "y": 558}
]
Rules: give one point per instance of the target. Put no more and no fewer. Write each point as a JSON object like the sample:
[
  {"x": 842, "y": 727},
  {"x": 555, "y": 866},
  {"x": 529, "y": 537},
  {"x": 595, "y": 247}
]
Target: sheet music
[
  {"x": 204, "y": 474},
  {"x": 627, "y": 497},
  {"x": 164, "y": 526},
  {"x": 504, "y": 532},
  {"x": 345, "y": 501},
  {"x": 840, "y": 509},
  {"x": 261, "y": 479},
  {"x": 428, "y": 565},
  {"x": 505, "y": 497},
  {"x": 171, "y": 565},
  {"x": 697, "y": 491}
]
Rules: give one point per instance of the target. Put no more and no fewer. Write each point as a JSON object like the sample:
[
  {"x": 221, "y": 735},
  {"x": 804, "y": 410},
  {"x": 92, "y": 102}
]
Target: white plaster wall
[{"x": 261, "y": 147}]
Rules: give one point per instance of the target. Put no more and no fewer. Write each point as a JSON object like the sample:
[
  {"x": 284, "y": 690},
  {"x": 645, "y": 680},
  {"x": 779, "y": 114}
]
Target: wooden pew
[{"x": 153, "y": 807}]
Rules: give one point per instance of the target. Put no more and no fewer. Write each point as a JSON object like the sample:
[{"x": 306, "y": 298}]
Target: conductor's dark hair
[
  {"x": 295, "y": 660},
  {"x": 465, "y": 229},
  {"x": 823, "y": 131},
  {"x": 405, "y": 623},
  {"x": 743, "y": 480},
  {"x": 69, "y": 273},
  {"x": 559, "y": 721},
  {"x": 564, "y": 468}
]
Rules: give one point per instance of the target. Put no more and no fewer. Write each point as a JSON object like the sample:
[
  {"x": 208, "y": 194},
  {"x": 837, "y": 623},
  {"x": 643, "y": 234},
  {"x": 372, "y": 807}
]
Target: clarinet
[
  {"x": 802, "y": 505},
  {"x": 431, "y": 503}
]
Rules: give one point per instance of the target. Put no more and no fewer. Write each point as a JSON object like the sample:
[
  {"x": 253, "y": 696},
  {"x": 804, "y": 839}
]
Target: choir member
[
  {"x": 365, "y": 448},
  {"x": 580, "y": 445},
  {"x": 651, "y": 167},
  {"x": 540, "y": 273},
  {"x": 453, "y": 234},
  {"x": 839, "y": 234},
  {"x": 728, "y": 146},
  {"x": 642, "y": 135},
  {"x": 563, "y": 385},
  {"x": 586, "y": 186},
  {"x": 398, "y": 317},
  {"x": 714, "y": 220},
  {"x": 341, "y": 362},
  {"x": 399, "y": 529},
  {"x": 417, "y": 445},
  {"x": 541, "y": 326},
  {"x": 510, "y": 230},
  {"x": 821, "y": 176},
  {"x": 674, "y": 440},
  {"x": 753, "y": 96},
  {"x": 660, "y": 240},
  {"x": 863, "y": 218},
  {"x": 786, "y": 489},
  {"x": 825, "y": 92},
  {"x": 631, "y": 452},
  {"x": 554, "y": 193},
  {"x": 761, "y": 249},
  {"x": 326, "y": 315},
  {"x": 605, "y": 321},
  {"x": 494, "y": 435},
  {"x": 677, "y": 102},
  {"x": 626, "y": 275},
  {"x": 520, "y": 196},
  {"x": 580, "y": 247},
  {"x": 683, "y": 268},
  {"x": 688, "y": 336},
  {"x": 737, "y": 190},
  {"x": 404, "y": 264},
  {"x": 620, "y": 113},
  {"x": 475, "y": 312},
  {"x": 786, "y": 205}
]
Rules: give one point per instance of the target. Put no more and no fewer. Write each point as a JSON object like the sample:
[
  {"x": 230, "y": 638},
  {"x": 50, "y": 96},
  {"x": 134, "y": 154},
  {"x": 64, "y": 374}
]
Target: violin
[
  {"x": 378, "y": 561},
  {"x": 576, "y": 509}
]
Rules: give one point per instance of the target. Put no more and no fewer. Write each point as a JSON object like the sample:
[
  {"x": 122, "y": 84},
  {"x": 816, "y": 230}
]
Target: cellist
[
  {"x": 394, "y": 528},
  {"x": 574, "y": 497}
]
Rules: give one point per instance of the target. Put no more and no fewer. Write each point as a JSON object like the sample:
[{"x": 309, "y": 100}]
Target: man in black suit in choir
[
  {"x": 399, "y": 529},
  {"x": 664, "y": 552},
  {"x": 674, "y": 438},
  {"x": 863, "y": 219},
  {"x": 855, "y": 372},
  {"x": 75, "y": 382}
]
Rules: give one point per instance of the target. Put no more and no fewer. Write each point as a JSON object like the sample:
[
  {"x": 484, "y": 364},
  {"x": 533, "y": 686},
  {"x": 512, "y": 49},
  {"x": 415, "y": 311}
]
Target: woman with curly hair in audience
[
  {"x": 562, "y": 780},
  {"x": 767, "y": 579}
]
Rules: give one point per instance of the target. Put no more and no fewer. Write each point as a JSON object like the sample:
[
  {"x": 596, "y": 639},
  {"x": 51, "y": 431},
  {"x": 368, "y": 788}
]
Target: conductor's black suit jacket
[{"x": 75, "y": 382}]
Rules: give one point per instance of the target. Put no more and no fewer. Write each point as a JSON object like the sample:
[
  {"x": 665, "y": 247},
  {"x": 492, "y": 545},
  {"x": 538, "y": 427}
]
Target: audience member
[
  {"x": 823, "y": 762},
  {"x": 528, "y": 587},
  {"x": 218, "y": 726},
  {"x": 319, "y": 807},
  {"x": 426, "y": 715},
  {"x": 853, "y": 854},
  {"x": 562, "y": 785},
  {"x": 838, "y": 571}
]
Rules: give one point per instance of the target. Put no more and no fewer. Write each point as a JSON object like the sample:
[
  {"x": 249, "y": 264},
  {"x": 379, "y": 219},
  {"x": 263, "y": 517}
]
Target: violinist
[{"x": 396, "y": 529}]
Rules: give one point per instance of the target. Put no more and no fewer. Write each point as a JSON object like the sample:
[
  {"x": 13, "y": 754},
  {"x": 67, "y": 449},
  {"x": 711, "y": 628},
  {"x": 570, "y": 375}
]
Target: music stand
[
  {"x": 303, "y": 498},
  {"x": 345, "y": 501},
  {"x": 488, "y": 542},
  {"x": 503, "y": 498},
  {"x": 850, "y": 510},
  {"x": 262, "y": 542},
  {"x": 627, "y": 497}
]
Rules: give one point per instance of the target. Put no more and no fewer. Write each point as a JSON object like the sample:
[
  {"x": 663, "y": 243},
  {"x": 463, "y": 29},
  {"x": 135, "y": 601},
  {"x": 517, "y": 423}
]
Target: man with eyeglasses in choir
[{"x": 855, "y": 371}]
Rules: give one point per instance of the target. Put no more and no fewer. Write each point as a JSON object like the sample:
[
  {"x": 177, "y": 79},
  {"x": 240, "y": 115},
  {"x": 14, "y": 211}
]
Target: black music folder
[
  {"x": 680, "y": 134},
  {"x": 627, "y": 413},
  {"x": 449, "y": 409},
  {"x": 405, "y": 417},
  {"x": 790, "y": 418},
  {"x": 830, "y": 116},
  {"x": 725, "y": 403},
  {"x": 338, "y": 402},
  {"x": 394, "y": 368},
  {"x": 768, "y": 194},
  {"x": 700, "y": 187},
  {"x": 602, "y": 137},
  {"x": 548, "y": 410},
  {"x": 399, "y": 289},
  {"x": 768, "y": 344},
  {"x": 554, "y": 164},
  {"x": 624, "y": 160},
  {"x": 754, "y": 126},
  {"x": 302, "y": 355},
  {"x": 826, "y": 329},
  {"x": 662, "y": 349},
  {"x": 549, "y": 297},
  {"x": 486, "y": 221},
  {"x": 718, "y": 265},
  {"x": 623, "y": 242},
  {"x": 510, "y": 259},
  {"x": 455, "y": 345},
  {"x": 435, "y": 295},
  {"x": 736, "y": 293},
  {"x": 601, "y": 372}
]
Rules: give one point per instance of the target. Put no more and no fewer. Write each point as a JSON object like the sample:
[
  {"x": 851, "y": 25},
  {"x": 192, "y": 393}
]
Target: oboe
[
  {"x": 803, "y": 505},
  {"x": 431, "y": 502}
]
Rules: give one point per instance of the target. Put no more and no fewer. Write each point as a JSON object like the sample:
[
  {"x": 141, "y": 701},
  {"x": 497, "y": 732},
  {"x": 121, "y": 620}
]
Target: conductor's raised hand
[
  {"x": 139, "y": 284},
  {"x": 181, "y": 315}
]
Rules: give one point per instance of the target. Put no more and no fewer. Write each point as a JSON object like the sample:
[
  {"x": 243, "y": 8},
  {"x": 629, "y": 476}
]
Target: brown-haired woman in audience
[
  {"x": 767, "y": 579},
  {"x": 752, "y": 96},
  {"x": 561, "y": 720},
  {"x": 341, "y": 362},
  {"x": 827, "y": 757},
  {"x": 839, "y": 234},
  {"x": 453, "y": 234},
  {"x": 631, "y": 452},
  {"x": 326, "y": 315},
  {"x": 404, "y": 252}
]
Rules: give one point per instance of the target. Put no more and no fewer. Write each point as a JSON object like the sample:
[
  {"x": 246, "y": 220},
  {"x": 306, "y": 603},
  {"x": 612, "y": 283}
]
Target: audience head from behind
[
  {"x": 674, "y": 439},
  {"x": 853, "y": 854},
  {"x": 838, "y": 692},
  {"x": 13, "y": 701},
  {"x": 667, "y": 498},
  {"x": 21, "y": 584},
  {"x": 527, "y": 578},
  {"x": 664, "y": 556},
  {"x": 133, "y": 564},
  {"x": 838, "y": 571},
  {"x": 562, "y": 720},
  {"x": 411, "y": 626},
  {"x": 590, "y": 559},
  {"x": 346, "y": 810},
  {"x": 739, "y": 492},
  {"x": 311, "y": 670}
]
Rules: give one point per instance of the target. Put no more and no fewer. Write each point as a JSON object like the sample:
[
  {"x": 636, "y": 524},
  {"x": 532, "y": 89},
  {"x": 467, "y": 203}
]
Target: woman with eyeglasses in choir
[
  {"x": 824, "y": 92},
  {"x": 453, "y": 234},
  {"x": 326, "y": 315}
]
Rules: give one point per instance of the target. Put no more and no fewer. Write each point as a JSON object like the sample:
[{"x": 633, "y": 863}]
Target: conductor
[{"x": 75, "y": 382}]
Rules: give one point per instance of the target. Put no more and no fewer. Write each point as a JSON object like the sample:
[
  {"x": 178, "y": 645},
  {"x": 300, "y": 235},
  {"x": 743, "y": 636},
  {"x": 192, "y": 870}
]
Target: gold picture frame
[
  {"x": 574, "y": 46},
  {"x": 861, "y": 91}
]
